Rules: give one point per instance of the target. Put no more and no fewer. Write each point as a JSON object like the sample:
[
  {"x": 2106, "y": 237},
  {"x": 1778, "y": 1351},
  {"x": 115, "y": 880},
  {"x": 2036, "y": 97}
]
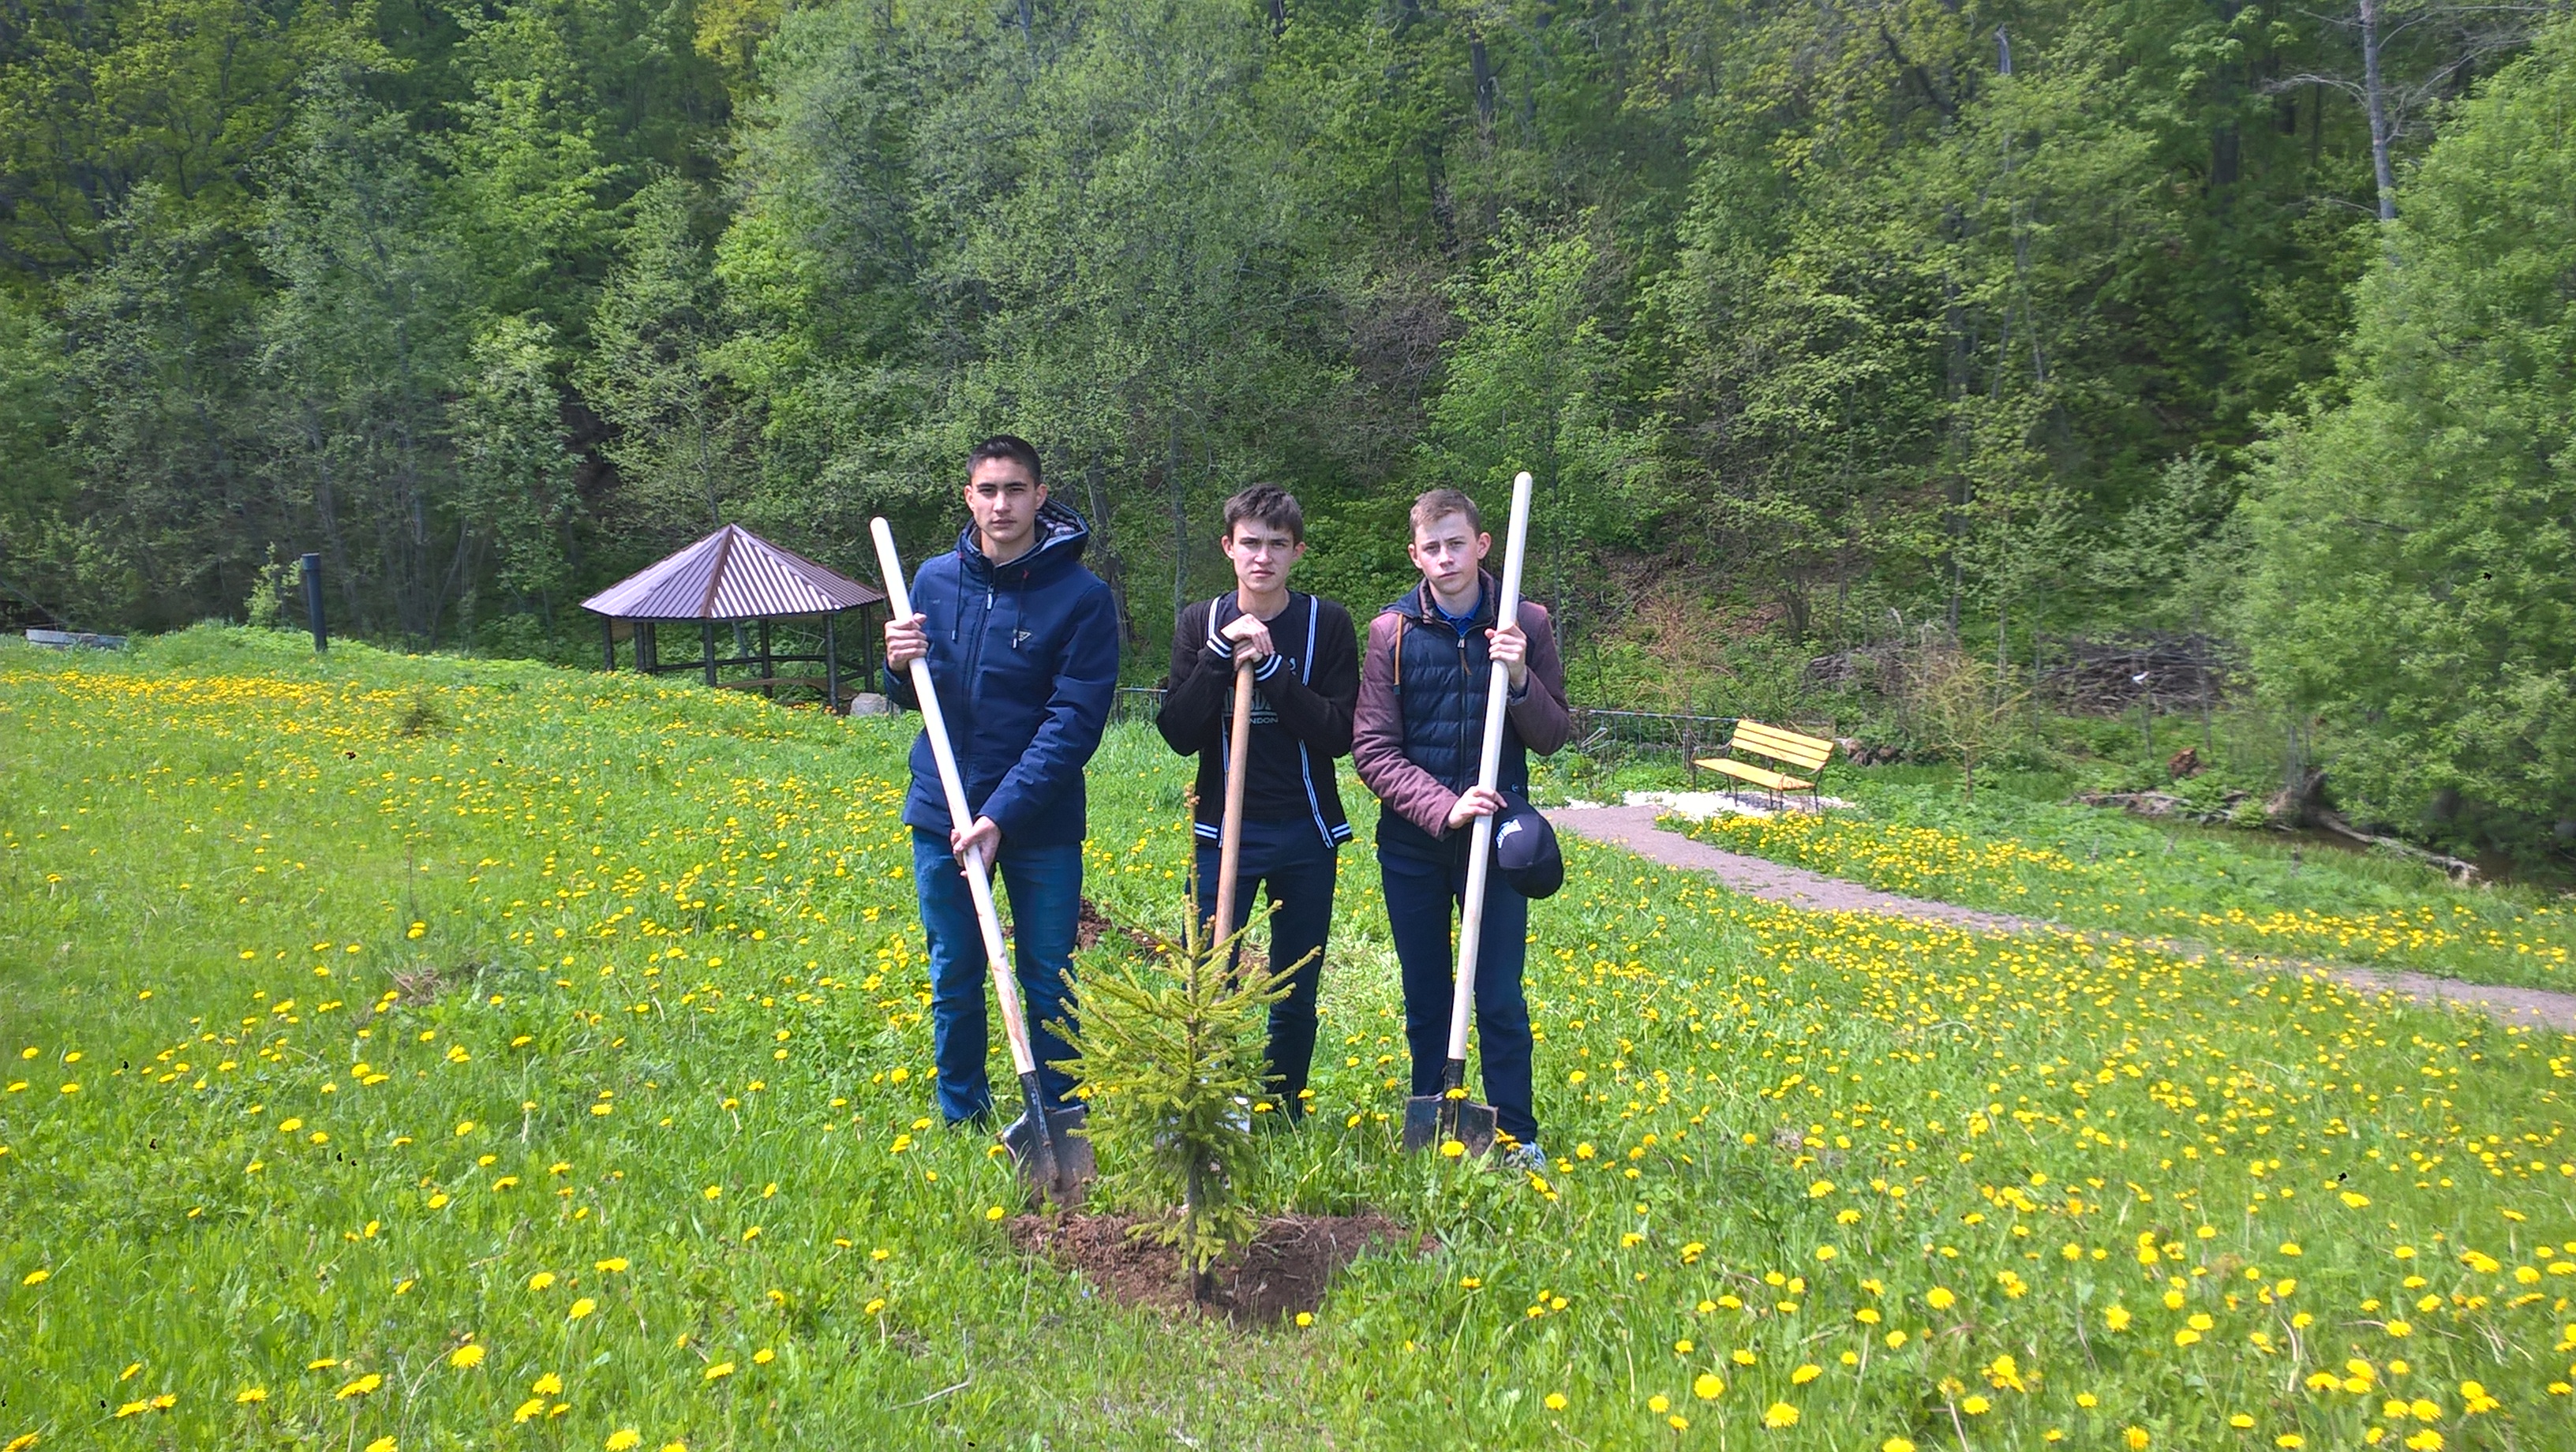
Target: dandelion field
[
  {"x": 2096, "y": 869},
  {"x": 432, "y": 1054}
]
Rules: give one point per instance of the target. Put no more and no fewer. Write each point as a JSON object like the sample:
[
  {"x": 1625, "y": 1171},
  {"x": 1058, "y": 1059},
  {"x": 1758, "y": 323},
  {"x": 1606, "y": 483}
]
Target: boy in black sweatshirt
[{"x": 1306, "y": 681}]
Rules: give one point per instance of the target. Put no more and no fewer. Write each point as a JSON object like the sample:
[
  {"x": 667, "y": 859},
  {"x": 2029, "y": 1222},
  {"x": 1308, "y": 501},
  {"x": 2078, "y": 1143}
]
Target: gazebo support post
[
  {"x": 768, "y": 668},
  {"x": 831, "y": 667},
  {"x": 608, "y": 637},
  {"x": 707, "y": 635}
]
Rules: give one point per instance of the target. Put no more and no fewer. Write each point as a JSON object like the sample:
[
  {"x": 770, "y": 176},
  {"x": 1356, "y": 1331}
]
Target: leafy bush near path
[
  {"x": 612, "y": 1132},
  {"x": 2104, "y": 871}
]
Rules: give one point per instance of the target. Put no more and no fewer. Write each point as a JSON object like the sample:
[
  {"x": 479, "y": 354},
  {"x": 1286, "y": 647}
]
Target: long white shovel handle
[
  {"x": 1480, "y": 851},
  {"x": 1006, "y": 984}
]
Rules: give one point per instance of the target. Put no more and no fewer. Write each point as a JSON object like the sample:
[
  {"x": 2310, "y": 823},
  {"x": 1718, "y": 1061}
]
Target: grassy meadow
[
  {"x": 2105, "y": 871},
  {"x": 411, "y": 1054}
]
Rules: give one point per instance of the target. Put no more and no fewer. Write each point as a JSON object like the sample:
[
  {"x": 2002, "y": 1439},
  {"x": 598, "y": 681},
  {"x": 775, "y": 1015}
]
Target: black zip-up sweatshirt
[{"x": 1302, "y": 701}]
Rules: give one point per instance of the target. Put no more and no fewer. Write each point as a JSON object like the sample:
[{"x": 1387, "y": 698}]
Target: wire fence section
[{"x": 1603, "y": 735}]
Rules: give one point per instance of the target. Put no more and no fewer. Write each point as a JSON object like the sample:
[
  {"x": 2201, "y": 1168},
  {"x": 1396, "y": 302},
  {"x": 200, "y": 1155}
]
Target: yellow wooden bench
[{"x": 1788, "y": 748}]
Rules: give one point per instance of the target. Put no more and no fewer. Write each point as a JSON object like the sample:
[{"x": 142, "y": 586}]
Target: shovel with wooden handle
[
  {"x": 1229, "y": 851},
  {"x": 1437, "y": 1119},
  {"x": 1047, "y": 1145}
]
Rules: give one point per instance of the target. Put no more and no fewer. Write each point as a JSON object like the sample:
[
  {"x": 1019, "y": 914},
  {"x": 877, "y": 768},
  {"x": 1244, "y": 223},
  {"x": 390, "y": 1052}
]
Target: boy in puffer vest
[{"x": 1417, "y": 737}]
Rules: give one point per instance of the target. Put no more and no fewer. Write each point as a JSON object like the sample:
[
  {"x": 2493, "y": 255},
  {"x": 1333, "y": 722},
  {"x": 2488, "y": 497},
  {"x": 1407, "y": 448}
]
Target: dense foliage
[
  {"x": 2416, "y": 532},
  {"x": 1972, "y": 312}
]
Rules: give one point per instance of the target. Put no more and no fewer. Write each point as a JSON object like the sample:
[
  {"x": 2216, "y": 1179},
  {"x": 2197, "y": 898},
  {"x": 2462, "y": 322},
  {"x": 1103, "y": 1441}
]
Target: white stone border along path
[{"x": 1634, "y": 828}]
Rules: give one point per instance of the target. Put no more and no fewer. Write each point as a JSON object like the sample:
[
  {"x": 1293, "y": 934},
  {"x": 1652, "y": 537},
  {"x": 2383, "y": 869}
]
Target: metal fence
[
  {"x": 1136, "y": 703},
  {"x": 1608, "y": 737}
]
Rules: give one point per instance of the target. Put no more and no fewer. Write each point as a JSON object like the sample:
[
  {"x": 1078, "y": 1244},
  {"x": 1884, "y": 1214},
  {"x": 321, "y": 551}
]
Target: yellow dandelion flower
[
  {"x": 623, "y": 1439},
  {"x": 1708, "y": 1386},
  {"x": 466, "y": 1357},
  {"x": 1780, "y": 1415}
]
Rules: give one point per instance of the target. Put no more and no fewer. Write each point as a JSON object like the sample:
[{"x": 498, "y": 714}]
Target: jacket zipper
[{"x": 1467, "y": 776}]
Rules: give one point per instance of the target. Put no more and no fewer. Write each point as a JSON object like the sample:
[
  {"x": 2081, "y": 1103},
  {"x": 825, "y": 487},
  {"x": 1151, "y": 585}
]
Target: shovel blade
[
  {"x": 1431, "y": 1120},
  {"x": 1056, "y": 1161}
]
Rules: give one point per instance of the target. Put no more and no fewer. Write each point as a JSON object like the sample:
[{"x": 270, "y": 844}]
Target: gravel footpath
[{"x": 1634, "y": 828}]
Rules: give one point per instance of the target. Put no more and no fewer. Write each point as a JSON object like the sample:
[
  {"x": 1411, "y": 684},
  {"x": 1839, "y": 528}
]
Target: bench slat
[
  {"x": 1756, "y": 775},
  {"x": 1806, "y": 751}
]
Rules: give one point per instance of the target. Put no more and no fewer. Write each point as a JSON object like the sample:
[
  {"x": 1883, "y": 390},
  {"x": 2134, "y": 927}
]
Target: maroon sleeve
[
  {"x": 1377, "y": 738},
  {"x": 1541, "y": 717}
]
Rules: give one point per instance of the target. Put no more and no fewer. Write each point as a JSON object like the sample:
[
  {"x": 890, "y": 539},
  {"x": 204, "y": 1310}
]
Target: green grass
[
  {"x": 636, "y": 976},
  {"x": 2018, "y": 849}
]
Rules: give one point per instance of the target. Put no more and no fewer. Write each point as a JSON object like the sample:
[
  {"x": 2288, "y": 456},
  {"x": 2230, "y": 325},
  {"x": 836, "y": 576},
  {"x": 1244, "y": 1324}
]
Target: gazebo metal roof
[{"x": 732, "y": 574}]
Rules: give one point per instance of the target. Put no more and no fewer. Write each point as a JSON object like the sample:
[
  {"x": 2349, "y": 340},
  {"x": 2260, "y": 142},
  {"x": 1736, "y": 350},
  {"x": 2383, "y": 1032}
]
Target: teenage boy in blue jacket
[{"x": 1023, "y": 649}]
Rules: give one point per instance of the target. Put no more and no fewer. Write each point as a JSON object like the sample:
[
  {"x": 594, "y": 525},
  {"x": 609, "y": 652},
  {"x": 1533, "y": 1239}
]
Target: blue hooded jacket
[{"x": 1025, "y": 659}]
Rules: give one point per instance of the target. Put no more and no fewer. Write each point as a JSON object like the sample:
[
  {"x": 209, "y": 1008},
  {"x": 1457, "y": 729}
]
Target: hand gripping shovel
[
  {"x": 1432, "y": 1119},
  {"x": 1046, "y": 1145}
]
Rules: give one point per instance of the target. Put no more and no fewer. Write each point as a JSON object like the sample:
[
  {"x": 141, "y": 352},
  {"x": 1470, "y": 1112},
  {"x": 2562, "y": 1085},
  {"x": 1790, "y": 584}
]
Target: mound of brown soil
[{"x": 1284, "y": 1271}]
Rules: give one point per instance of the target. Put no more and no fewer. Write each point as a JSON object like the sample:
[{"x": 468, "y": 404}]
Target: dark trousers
[
  {"x": 1045, "y": 886},
  {"x": 1421, "y": 895},
  {"x": 1300, "y": 883}
]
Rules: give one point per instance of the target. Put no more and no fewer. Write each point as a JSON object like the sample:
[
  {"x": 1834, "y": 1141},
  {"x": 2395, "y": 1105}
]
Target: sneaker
[{"x": 1526, "y": 1157}]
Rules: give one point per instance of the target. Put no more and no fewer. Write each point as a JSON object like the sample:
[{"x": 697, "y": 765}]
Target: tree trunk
[
  {"x": 1180, "y": 515},
  {"x": 1482, "y": 67},
  {"x": 2375, "y": 93},
  {"x": 1112, "y": 568}
]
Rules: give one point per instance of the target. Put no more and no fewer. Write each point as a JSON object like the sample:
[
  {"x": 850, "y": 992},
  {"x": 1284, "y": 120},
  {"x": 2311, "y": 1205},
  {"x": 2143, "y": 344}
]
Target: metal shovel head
[
  {"x": 1055, "y": 1161},
  {"x": 1431, "y": 1120}
]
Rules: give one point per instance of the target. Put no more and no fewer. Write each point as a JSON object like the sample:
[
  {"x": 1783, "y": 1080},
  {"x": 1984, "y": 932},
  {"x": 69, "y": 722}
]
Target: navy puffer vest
[{"x": 1441, "y": 678}]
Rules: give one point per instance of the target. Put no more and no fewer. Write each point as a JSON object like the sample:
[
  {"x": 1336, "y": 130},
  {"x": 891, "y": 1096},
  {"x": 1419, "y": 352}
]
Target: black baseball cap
[{"x": 1525, "y": 849}]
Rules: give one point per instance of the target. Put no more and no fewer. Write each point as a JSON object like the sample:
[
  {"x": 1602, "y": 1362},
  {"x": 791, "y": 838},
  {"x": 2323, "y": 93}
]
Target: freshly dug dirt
[
  {"x": 1092, "y": 924},
  {"x": 1284, "y": 1271}
]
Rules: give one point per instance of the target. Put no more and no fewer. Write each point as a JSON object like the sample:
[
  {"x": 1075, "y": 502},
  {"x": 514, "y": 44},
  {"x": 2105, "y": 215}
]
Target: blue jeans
[
  {"x": 1300, "y": 879},
  {"x": 1045, "y": 887},
  {"x": 1420, "y": 895}
]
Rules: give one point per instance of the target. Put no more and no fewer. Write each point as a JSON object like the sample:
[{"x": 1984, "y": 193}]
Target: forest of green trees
[{"x": 1827, "y": 319}]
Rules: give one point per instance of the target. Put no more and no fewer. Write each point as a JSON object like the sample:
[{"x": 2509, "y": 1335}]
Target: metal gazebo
[{"x": 736, "y": 578}]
